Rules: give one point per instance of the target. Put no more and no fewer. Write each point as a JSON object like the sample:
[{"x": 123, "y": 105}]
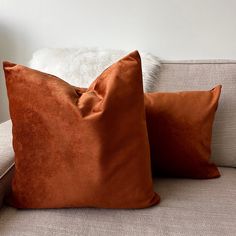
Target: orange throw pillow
[
  {"x": 180, "y": 129},
  {"x": 76, "y": 147}
]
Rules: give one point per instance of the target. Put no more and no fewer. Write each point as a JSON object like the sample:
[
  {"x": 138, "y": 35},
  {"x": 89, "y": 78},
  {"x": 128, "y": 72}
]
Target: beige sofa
[{"x": 188, "y": 207}]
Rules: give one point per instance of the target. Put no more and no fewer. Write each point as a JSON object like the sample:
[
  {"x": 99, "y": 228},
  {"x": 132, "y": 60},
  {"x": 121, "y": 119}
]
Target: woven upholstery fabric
[
  {"x": 6, "y": 150},
  {"x": 203, "y": 75},
  {"x": 6, "y": 157},
  {"x": 188, "y": 207}
]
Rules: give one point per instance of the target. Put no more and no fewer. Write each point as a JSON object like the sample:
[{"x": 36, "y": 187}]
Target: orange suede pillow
[
  {"x": 76, "y": 147},
  {"x": 179, "y": 130}
]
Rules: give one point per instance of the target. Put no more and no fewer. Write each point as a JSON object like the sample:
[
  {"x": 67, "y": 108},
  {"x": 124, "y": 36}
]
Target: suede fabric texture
[
  {"x": 180, "y": 129},
  {"x": 80, "y": 147}
]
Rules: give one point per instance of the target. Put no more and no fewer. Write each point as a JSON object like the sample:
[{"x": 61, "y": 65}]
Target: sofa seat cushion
[
  {"x": 188, "y": 207},
  {"x": 6, "y": 157}
]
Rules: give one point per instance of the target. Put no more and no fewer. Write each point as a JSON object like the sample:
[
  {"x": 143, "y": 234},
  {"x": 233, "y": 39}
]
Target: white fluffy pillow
[{"x": 80, "y": 66}]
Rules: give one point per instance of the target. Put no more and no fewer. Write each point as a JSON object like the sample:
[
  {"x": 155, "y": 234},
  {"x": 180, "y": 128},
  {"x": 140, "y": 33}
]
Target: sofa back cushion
[{"x": 203, "y": 75}]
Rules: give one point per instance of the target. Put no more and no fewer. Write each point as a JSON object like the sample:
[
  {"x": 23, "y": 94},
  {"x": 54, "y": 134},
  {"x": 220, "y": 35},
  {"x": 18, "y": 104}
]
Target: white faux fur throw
[{"x": 81, "y": 66}]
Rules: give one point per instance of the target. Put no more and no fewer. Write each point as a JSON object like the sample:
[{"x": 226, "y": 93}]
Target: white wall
[{"x": 171, "y": 29}]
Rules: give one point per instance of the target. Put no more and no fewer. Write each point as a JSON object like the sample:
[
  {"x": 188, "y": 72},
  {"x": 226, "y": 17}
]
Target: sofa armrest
[{"x": 6, "y": 158}]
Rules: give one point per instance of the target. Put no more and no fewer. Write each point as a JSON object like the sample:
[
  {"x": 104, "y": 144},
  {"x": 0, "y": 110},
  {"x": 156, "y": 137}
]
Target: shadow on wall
[{"x": 11, "y": 48}]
